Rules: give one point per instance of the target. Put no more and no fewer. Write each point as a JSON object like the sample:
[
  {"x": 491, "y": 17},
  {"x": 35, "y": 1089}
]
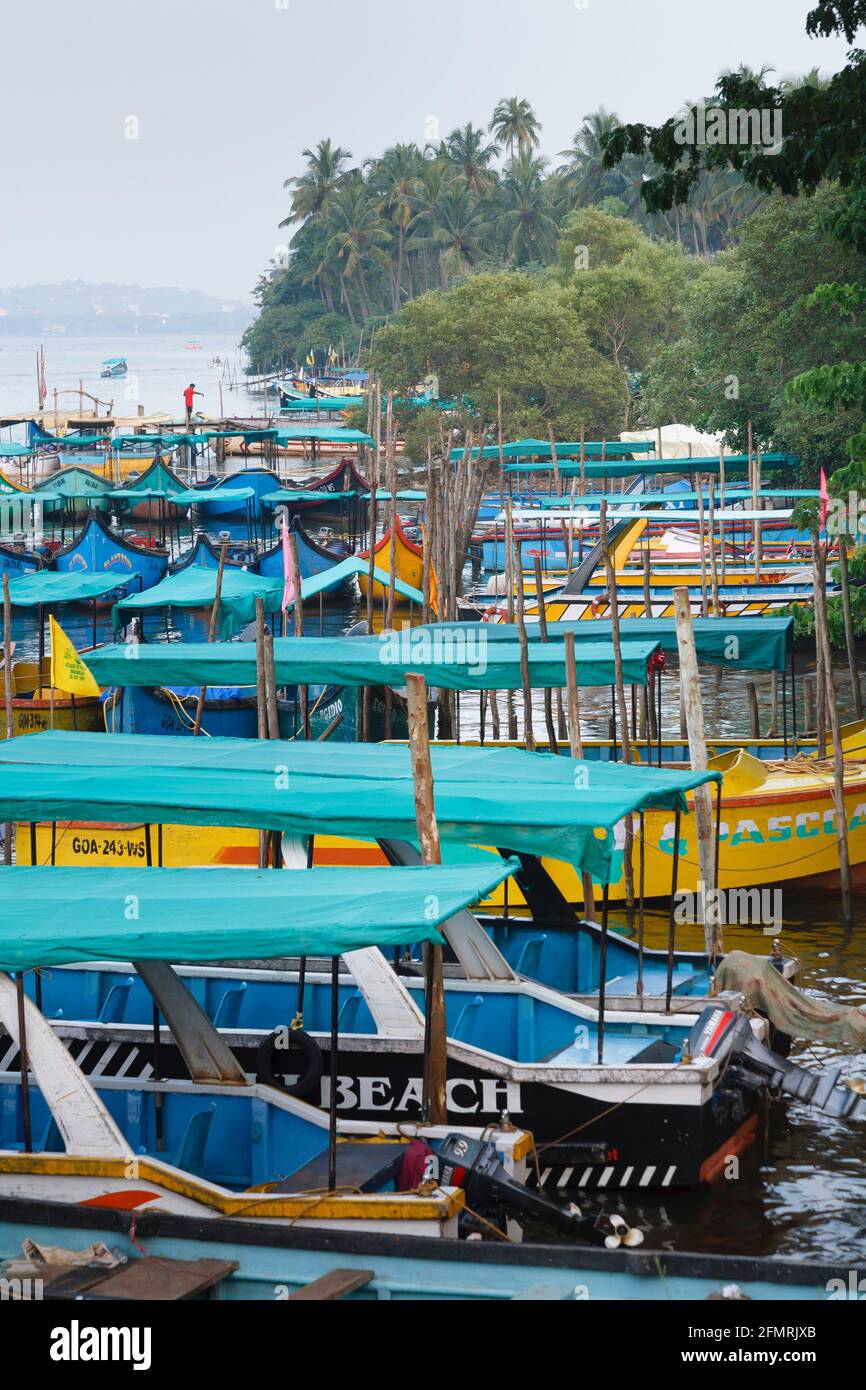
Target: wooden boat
[
  {"x": 157, "y": 477},
  {"x": 226, "y": 712},
  {"x": 98, "y": 548},
  {"x": 82, "y": 490},
  {"x": 345, "y": 478},
  {"x": 409, "y": 563},
  {"x": 352, "y": 1265},
  {"x": 261, "y": 480},
  {"x": 205, "y": 554},
  {"x": 313, "y": 557},
  {"x": 114, "y": 367},
  {"x": 15, "y": 560},
  {"x": 32, "y": 710}
]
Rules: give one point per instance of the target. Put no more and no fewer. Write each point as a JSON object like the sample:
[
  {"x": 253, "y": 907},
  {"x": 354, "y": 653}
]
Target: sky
[{"x": 147, "y": 141}]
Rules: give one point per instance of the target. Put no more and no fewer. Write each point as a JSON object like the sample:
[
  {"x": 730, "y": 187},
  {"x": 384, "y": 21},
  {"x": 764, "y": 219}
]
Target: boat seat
[
  {"x": 190, "y": 1154},
  {"x": 228, "y": 1009},
  {"x": 364, "y": 1167},
  {"x": 52, "y": 1139},
  {"x": 528, "y": 960},
  {"x": 658, "y": 1051},
  {"x": 469, "y": 1012},
  {"x": 115, "y": 1001},
  {"x": 349, "y": 1012}
]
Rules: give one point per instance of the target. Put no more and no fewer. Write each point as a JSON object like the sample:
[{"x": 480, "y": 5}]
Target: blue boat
[
  {"x": 114, "y": 367},
  {"x": 261, "y": 480},
  {"x": 227, "y": 712},
  {"x": 313, "y": 557},
  {"x": 14, "y": 561},
  {"x": 98, "y": 548},
  {"x": 205, "y": 554}
]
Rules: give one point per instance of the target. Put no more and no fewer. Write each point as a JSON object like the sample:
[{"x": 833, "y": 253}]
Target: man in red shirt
[{"x": 188, "y": 398}]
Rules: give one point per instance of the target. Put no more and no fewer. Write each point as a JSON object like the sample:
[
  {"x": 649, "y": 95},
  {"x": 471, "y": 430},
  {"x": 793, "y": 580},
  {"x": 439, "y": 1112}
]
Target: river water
[{"x": 801, "y": 1192}]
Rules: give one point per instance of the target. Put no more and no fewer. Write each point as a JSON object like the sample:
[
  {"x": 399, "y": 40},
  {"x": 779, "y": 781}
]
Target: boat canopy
[
  {"x": 58, "y": 916},
  {"x": 285, "y": 496},
  {"x": 736, "y": 493},
  {"x": 14, "y": 451},
  {"x": 75, "y": 441},
  {"x": 193, "y": 496},
  {"x": 750, "y": 644},
  {"x": 314, "y": 404},
  {"x": 330, "y": 434},
  {"x": 337, "y": 575},
  {"x": 531, "y": 803},
  {"x": 195, "y": 587},
  {"x": 734, "y": 463},
  {"x": 460, "y": 661},
  {"x": 523, "y": 449},
  {"x": 72, "y": 586}
]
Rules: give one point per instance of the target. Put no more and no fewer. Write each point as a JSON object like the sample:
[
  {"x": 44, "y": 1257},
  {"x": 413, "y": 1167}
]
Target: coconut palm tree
[
  {"x": 358, "y": 236},
  {"x": 515, "y": 123},
  {"x": 469, "y": 151},
  {"x": 395, "y": 180},
  {"x": 525, "y": 221},
  {"x": 460, "y": 231},
  {"x": 312, "y": 190},
  {"x": 584, "y": 160}
]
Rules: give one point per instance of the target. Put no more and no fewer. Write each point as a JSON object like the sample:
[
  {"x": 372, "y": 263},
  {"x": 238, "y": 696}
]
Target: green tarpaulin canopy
[
  {"x": 524, "y": 449},
  {"x": 328, "y": 434},
  {"x": 312, "y": 405},
  {"x": 14, "y": 451},
  {"x": 47, "y": 587},
  {"x": 339, "y": 574},
  {"x": 195, "y": 587},
  {"x": 752, "y": 644},
  {"x": 193, "y": 496},
  {"x": 285, "y": 496},
  {"x": 53, "y": 916},
  {"x": 735, "y": 463},
  {"x": 461, "y": 662},
  {"x": 533, "y": 803}
]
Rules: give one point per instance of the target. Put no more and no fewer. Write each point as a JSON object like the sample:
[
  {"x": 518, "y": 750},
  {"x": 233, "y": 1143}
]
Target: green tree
[
  {"x": 525, "y": 222},
  {"x": 515, "y": 123}
]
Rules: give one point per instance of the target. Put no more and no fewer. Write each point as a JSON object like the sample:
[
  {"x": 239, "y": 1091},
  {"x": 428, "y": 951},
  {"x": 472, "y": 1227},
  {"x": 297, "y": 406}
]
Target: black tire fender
[{"x": 272, "y": 1061}]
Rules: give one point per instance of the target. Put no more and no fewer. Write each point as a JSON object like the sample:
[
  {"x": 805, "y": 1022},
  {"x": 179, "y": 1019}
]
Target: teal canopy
[
  {"x": 53, "y": 916},
  {"x": 48, "y": 587},
  {"x": 195, "y": 587},
  {"x": 76, "y": 441},
  {"x": 151, "y": 442},
  {"x": 285, "y": 496},
  {"x": 461, "y": 661},
  {"x": 312, "y": 405},
  {"x": 339, "y": 574},
  {"x": 751, "y": 644},
  {"x": 328, "y": 434},
  {"x": 533, "y": 803},
  {"x": 15, "y": 451},
  {"x": 523, "y": 449},
  {"x": 734, "y": 463},
  {"x": 193, "y": 496}
]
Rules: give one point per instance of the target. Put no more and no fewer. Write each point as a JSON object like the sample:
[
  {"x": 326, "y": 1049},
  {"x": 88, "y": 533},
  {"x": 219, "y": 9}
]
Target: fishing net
[{"x": 793, "y": 1012}]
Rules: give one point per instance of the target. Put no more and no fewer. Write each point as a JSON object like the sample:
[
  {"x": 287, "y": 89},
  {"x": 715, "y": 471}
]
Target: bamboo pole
[
  {"x": 434, "y": 1104},
  {"x": 694, "y": 712},
  {"x": 850, "y": 641},
  {"x": 625, "y": 736},
  {"x": 702, "y": 543},
  {"x": 509, "y": 605},
  {"x": 823, "y": 636},
  {"x": 528, "y": 731},
  {"x": 211, "y": 632},
  {"x": 298, "y": 613},
  {"x": 548, "y": 694},
  {"x": 576, "y": 746},
  {"x": 9, "y": 693}
]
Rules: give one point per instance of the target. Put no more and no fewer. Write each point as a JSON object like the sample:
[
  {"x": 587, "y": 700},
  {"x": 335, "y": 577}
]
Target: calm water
[{"x": 159, "y": 370}]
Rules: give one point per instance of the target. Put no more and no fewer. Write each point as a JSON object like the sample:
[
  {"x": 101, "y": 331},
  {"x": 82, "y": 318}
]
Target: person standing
[{"x": 188, "y": 395}]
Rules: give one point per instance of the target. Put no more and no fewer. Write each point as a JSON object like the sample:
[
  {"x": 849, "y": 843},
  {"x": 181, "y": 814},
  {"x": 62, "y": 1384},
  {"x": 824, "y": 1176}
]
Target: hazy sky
[{"x": 227, "y": 93}]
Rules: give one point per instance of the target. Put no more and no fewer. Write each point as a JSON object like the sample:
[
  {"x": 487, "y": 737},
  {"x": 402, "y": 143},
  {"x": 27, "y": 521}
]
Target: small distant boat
[
  {"x": 193, "y": 347},
  {"x": 114, "y": 366}
]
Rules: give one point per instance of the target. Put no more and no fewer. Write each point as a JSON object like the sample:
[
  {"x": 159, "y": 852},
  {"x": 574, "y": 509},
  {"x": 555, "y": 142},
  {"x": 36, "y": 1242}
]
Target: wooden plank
[
  {"x": 336, "y": 1284},
  {"x": 153, "y": 1278}
]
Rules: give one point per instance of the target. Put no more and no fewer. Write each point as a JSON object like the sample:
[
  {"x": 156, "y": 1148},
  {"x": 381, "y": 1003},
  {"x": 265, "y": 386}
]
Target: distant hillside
[{"x": 77, "y": 307}]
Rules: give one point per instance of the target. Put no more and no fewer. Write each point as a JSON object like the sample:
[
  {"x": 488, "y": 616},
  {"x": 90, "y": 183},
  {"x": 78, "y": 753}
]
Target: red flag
[
  {"x": 288, "y": 581},
  {"x": 825, "y": 499}
]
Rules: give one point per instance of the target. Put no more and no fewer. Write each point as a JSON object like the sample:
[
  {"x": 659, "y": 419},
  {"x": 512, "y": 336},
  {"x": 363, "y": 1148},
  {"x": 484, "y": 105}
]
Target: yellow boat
[
  {"x": 31, "y": 703},
  {"x": 409, "y": 564}
]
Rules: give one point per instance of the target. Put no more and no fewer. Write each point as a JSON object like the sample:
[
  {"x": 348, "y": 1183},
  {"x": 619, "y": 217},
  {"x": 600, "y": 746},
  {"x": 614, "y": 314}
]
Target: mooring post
[
  {"x": 435, "y": 1039},
  {"x": 694, "y": 714},
  {"x": 211, "y": 632}
]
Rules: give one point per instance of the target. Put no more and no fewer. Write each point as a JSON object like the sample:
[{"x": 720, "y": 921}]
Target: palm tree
[
  {"x": 312, "y": 190},
  {"x": 468, "y": 149},
  {"x": 460, "y": 231},
  {"x": 515, "y": 123},
  {"x": 395, "y": 178},
  {"x": 357, "y": 237},
  {"x": 525, "y": 219},
  {"x": 436, "y": 177},
  {"x": 584, "y": 167}
]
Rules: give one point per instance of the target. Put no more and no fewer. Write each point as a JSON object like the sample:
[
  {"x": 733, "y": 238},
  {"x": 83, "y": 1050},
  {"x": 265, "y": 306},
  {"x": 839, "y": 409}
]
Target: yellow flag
[{"x": 68, "y": 671}]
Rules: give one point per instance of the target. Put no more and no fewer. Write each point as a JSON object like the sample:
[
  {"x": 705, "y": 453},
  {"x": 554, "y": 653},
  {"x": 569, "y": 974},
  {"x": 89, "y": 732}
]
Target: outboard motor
[
  {"x": 727, "y": 1037},
  {"x": 474, "y": 1165}
]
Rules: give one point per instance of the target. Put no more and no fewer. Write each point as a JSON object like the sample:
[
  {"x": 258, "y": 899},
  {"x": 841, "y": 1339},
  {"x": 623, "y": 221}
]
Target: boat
[
  {"x": 227, "y": 712},
  {"x": 114, "y": 367},
  {"x": 80, "y": 491},
  {"x": 260, "y": 480},
  {"x": 408, "y": 564},
  {"x": 314, "y": 557},
  {"x": 15, "y": 559},
  {"x": 34, "y": 710},
  {"x": 99, "y": 549},
  {"x": 146, "y": 496}
]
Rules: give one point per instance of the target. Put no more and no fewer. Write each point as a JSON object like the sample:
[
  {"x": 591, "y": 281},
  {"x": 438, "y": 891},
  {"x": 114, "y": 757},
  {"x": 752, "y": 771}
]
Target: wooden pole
[
  {"x": 702, "y": 543},
  {"x": 823, "y": 636},
  {"x": 548, "y": 694},
  {"x": 9, "y": 693},
  {"x": 391, "y": 467},
  {"x": 434, "y": 1103},
  {"x": 261, "y": 706},
  {"x": 528, "y": 731},
  {"x": 509, "y": 605},
  {"x": 628, "y": 864},
  {"x": 211, "y": 632},
  {"x": 576, "y": 746},
  {"x": 850, "y": 641},
  {"x": 694, "y": 712}
]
